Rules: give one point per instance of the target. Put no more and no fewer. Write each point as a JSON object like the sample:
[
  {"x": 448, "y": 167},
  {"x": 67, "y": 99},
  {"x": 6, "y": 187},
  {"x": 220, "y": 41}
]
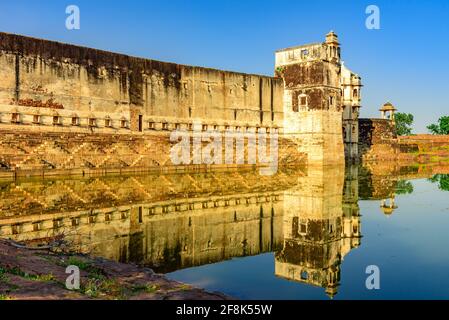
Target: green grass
[
  {"x": 97, "y": 283},
  {"x": 18, "y": 272},
  {"x": 103, "y": 287},
  {"x": 2, "y": 274},
  {"x": 146, "y": 288},
  {"x": 74, "y": 261}
]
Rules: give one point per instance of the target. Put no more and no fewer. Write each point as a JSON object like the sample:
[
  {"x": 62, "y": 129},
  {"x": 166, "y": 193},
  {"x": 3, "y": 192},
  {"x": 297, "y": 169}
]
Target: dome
[
  {"x": 388, "y": 107},
  {"x": 332, "y": 37}
]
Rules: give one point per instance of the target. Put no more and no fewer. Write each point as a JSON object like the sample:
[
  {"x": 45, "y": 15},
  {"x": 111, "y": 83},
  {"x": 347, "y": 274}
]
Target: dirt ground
[{"x": 41, "y": 274}]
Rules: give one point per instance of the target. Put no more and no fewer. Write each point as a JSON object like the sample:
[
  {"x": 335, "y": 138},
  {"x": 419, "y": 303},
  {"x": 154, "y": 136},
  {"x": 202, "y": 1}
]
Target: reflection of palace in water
[
  {"x": 321, "y": 225},
  {"x": 167, "y": 221},
  {"x": 309, "y": 218}
]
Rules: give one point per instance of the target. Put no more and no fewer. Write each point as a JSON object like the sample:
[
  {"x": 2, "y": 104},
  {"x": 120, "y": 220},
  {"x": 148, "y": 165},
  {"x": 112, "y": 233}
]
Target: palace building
[{"x": 76, "y": 109}]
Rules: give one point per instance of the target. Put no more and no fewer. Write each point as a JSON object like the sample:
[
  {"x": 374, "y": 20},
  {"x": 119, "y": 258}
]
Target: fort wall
[
  {"x": 47, "y": 78},
  {"x": 377, "y": 139},
  {"x": 82, "y": 104},
  {"x": 25, "y": 152}
]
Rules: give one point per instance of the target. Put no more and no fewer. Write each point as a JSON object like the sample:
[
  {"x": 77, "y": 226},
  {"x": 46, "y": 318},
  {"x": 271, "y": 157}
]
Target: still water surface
[
  {"x": 301, "y": 234},
  {"x": 410, "y": 247}
]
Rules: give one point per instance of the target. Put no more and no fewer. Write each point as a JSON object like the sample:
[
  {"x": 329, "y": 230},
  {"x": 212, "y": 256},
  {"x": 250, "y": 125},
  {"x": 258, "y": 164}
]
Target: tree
[
  {"x": 442, "y": 127},
  {"x": 403, "y": 123}
]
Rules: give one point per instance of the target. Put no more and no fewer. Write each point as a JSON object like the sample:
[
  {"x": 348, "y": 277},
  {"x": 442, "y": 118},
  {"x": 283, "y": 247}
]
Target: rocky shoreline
[{"x": 40, "y": 274}]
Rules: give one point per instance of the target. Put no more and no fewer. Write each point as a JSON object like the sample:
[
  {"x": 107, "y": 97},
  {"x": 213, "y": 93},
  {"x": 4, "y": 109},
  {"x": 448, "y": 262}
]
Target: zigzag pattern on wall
[
  {"x": 22, "y": 151},
  {"x": 30, "y": 151}
]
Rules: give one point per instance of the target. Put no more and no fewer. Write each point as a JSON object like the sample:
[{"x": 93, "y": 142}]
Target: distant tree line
[
  {"x": 404, "y": 122},
  {"x": 442, "y": 127}
]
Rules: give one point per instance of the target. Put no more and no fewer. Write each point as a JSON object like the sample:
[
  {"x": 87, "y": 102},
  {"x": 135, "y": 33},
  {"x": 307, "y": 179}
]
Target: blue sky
[{"x": 405, "y": 62}]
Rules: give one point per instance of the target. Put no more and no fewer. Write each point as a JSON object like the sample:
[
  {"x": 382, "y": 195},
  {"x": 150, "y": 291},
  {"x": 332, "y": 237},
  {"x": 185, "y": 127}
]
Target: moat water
[{"x": 301, "y": 234}]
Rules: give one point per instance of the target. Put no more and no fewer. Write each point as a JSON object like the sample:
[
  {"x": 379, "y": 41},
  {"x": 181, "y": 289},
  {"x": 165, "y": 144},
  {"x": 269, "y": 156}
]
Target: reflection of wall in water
[
  {"x": 228, "y": 215},
  {"x": 166, "y": 234},
  {"x": 209, "y": 234},
  {"x": 319, "y": 229},
  {"x": 211, "y": 224}
]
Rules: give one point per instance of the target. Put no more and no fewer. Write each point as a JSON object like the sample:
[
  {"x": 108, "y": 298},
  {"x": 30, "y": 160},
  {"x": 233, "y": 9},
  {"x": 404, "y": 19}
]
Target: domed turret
[
  {"x": 387, "y": 111},
  {"x": 333, "y": 47},
  {"x": 332, "y": 38}
]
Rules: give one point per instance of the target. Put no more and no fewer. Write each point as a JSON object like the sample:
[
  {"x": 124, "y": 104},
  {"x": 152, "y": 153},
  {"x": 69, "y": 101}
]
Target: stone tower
[
  {"x": 351, "y": 91},
  {"x": 313, "y": 99}
]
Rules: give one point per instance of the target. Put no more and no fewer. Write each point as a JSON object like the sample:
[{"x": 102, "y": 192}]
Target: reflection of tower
[
  {"x": 351, "y": 212},
  {"x": 319, "y": 229}
]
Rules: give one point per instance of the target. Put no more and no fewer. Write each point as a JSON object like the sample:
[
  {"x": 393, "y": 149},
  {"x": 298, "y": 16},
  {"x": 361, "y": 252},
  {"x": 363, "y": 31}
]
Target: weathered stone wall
[
  {"x": 377, "y": 139},
  {"x": 378, "y": 142},
  {"x": 50, "y": 87},
  {"x": 376, "y": 131},
  {"x": 28, "y": 152},
  {"x": 40, "y": 76},
  {"x": 312, "y": 99},
  {"x": 425, "y": 142}
]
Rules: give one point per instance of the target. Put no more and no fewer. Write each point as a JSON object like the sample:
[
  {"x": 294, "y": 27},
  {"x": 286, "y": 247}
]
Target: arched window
[{"x": 355, "y": 93}]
